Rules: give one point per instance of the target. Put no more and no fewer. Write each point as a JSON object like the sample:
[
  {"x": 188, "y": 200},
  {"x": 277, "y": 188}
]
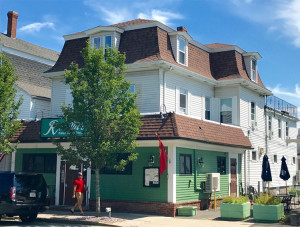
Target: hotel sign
[{"x": 48, "y": 128}]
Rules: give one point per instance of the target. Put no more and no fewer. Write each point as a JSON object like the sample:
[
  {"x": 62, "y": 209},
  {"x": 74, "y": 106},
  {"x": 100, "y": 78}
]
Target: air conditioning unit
[
  {"x": 212, "y": 182},
  {"x": 298, "y": 176}
]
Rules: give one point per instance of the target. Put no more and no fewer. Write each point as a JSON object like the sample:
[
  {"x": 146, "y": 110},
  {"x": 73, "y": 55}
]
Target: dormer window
[
  {"x": 253, "y": 69},
  {"x": 102, "y": 41},
  {"x": 181, "y": 51}
]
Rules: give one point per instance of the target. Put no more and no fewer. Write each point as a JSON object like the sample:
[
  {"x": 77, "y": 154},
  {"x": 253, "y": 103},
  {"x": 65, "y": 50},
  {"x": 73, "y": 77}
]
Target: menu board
[{"x": 151, "y": 177}]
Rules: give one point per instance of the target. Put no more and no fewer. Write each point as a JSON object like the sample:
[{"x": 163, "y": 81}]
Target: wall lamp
[
  {"x": 200, "y": 162},
  {"x": 151, "y": 160}
]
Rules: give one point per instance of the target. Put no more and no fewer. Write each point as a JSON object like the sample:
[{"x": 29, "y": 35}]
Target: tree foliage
[{"x": 8, "y": 104}]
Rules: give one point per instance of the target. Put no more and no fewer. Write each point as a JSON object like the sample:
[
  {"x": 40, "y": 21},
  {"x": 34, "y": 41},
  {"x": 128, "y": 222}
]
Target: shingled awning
[{"x": 172, "y": 126}]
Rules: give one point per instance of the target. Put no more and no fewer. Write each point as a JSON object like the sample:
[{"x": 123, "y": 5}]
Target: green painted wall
[
  {"x": 130, "y": 187},
  {"x": 49, "y": 177},
  {"x": 185, "y": 190}
]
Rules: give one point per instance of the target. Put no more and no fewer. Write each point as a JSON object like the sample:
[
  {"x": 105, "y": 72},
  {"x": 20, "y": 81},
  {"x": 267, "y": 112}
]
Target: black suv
[{"x": 23, "y": 194}]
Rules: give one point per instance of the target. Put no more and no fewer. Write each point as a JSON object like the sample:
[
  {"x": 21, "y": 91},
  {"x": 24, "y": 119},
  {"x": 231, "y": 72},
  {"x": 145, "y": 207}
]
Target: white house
[{"x": 29, "y": 61}]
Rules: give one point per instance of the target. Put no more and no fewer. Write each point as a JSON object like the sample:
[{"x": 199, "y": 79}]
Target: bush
[
  {"x": 232, "y": 199},
  {"x": 266, "y": 199},
  {"x": 293, "y": 189}
]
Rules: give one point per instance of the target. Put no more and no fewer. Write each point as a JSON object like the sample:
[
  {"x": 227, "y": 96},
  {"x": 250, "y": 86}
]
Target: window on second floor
[
  {"x": 279, "y": 128},
  {"x": 253, "y": 113},
  {"x": 294, "y": 160},
  {"x": 253, "y": 156},
  {"x": 226, "y": 111},
  {"x": 275, "y": 158},
  {"x": 132, "y": 88},
  {"x": 253, "y": 69},
  {"x": 286, "y": 129},
  {"x": 182, "y": 51},
  {"x": 183, "y": 101},
  {"x": 207, "y": 108},
  {"x": 270, "y": 126},
  {"x": 102, "y": 41}
]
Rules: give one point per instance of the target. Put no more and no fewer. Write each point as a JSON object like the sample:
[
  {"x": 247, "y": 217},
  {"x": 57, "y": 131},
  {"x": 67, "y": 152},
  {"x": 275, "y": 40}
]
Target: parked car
[{"x": 23, "y": 195}]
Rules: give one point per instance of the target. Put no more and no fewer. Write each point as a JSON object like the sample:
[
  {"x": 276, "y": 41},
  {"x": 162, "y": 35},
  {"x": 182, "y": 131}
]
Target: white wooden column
[
  {"x": 171, "y": 173},
  {"x": 88, "y": 184},
  {"x": 57, "y": 186},
  {"x": 13, "y": 161}
]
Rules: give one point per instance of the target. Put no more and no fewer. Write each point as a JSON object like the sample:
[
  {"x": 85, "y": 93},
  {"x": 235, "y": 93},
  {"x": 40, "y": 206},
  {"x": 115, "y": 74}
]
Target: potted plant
[
  {"x": 235, "y": 207},
  {"x": 293, "y": 191},
  {"x": 268, "y": 208}
]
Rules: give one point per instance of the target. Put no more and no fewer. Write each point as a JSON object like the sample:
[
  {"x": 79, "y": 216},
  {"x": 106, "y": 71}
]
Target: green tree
[
  {"x": 105, "y": 110},
  {"x": 8, "y": 105}
]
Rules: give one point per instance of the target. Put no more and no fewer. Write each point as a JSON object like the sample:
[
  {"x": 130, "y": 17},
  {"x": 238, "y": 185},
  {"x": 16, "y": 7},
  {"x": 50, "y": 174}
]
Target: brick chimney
[
  {"x": 12, "y": 24},
  {"x": 181, "y": 29}
]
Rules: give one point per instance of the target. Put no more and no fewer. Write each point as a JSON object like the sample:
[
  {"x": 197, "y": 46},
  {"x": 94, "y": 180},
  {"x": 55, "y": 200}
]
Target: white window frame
[
  {"x": 294, "y": 160},
  {"x": 287, "y": 129},
  {"x": 275, "y": 158},
  {"x": 183, "y": 109},
  {"x": 279, "y": 128},
  {"x": 226, "y": 111},
  {"x": 254, "y": 70},
  {"x": 182, "y": 51},
  {"x": 207, "y": 101},
  {"x": 270, "y": 132},
  {"x": 252, "y": 152},
  {"x": 102, "y": 41}
]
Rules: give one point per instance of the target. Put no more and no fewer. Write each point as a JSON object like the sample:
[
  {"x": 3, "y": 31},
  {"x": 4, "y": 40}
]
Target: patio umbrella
[
  {"x": 266, "y": 171},
  {"x": 284, "y": 171}
]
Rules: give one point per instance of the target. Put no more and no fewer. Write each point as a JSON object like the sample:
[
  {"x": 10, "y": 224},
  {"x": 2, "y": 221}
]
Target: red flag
[
  {"x": 163, "y": 157},
  {"x": 1, "y": 157}
]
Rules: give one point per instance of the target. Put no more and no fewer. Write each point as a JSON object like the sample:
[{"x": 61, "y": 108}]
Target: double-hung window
[
  {"x": 97, "y": 42},
  {"x": 181, "y": 51},
  {"x": 279, "y": 128},
  {"x": 286, "y": 129},
  {"x": 253, "y": 156},
  {"x": 221, "y": 165},
  {"x": 270, "y": 126},
  {"x": 226, "y": 111},
  {"x": 207, "y": 108},
  {"x": 102, "y": 41},
  {"x": 183, "y": 101},
  {"x": 253, "y": 69}
]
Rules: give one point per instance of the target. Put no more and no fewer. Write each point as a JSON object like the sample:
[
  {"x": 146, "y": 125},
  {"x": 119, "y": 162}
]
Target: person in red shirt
[{"x": 78, "y": 192}]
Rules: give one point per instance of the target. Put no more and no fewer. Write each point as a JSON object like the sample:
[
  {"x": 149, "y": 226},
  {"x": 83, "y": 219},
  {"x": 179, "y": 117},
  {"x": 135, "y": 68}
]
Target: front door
[
  {"x": 68, "y": 174},
  {"x": 233, "y": 177}
]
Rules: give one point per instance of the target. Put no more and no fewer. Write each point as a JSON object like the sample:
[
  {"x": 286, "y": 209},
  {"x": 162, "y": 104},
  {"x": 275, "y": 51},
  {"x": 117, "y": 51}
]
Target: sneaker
[{"x": 72, "y": 211}]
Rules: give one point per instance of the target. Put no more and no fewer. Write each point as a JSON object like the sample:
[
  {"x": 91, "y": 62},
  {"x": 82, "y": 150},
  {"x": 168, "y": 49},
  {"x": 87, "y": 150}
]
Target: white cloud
[
  {"x": 161, "y": 16},
  {"x": 36, "y": 27}
]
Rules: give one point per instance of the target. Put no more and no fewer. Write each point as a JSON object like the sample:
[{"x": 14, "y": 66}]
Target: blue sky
[{"x": 271, "y": 27}]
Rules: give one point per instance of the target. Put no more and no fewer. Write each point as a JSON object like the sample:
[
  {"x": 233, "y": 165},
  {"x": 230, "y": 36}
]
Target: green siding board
[
  {"x": 130, "y": 187},
  {"x": 186, "y": 191},
  {"x": 50, "y": 178}
]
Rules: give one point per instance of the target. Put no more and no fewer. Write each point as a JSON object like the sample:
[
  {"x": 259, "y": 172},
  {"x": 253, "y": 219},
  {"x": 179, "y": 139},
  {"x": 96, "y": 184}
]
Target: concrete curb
[{"x": 68, "y": 221}]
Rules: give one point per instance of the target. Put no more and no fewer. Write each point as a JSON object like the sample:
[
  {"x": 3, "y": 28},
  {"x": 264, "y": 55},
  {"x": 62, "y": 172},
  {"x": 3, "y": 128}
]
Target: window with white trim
[
  {"x": 253, "y": 156},
  {"x": 294, "y": 160},
  {"x": 207, "y": 108},
  {"x": 253, "y": 112},
  {"x": 270, "y": 126},
  {"x": 181, "y": 51},
  {"x": 102, "y": 41},
  {"x": 253, "y": 69},
  {"x": 287, "y": 129},
  {"x": 226, "y": 111},
  {"x": 279, "y": 129},
  {"x": 183, "y": 101}
]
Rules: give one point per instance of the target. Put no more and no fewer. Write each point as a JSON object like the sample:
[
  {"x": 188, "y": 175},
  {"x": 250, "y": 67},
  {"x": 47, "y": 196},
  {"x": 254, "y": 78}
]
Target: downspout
[
  {"x": 266, "y": 130},
  {"x": 197, "y": 188}
]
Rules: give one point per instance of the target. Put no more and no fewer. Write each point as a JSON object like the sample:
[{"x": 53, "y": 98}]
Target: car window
[{"x": 33, "y": 182}]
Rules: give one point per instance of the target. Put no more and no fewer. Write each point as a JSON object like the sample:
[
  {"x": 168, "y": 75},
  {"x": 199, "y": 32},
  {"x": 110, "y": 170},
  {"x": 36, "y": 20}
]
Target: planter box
[
  {"x": 235, "y": 210},
  {"x": 268, "y": 213},
  {"x": 187, "y": 211}
]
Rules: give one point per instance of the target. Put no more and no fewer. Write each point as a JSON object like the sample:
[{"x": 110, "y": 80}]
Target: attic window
[
  {"x": 253, "y": 69},
  {"x": 102, "y": 41},
  {"x": 181, "y": 51}
]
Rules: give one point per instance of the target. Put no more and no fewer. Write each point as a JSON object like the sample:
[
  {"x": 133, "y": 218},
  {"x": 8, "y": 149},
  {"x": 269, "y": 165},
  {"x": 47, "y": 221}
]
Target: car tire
[{"x": 28, "y": 217}]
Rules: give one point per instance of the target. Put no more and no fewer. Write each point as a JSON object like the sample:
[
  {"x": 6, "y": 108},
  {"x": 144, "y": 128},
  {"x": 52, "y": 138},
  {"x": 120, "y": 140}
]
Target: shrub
[
  {"x": 293, "y": 189},
  {"x": 232, "y": 199},
  {"x": 266, "y": 199}
]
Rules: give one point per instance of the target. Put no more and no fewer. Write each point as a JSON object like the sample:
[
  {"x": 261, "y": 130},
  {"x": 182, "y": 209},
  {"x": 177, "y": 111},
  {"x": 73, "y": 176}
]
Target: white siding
[
  {"x": 197, "y": 91},
  {"x": 58, "y": 95},
  {"x": 147, "y": 86},
  {"x": 25, "y": 108},
  {"x": 40, "y": 108},
  {"x": 256, "y": 136}
]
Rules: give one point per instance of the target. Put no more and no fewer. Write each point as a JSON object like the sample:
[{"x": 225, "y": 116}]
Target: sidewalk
[{"x": 204, "y": 218}]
